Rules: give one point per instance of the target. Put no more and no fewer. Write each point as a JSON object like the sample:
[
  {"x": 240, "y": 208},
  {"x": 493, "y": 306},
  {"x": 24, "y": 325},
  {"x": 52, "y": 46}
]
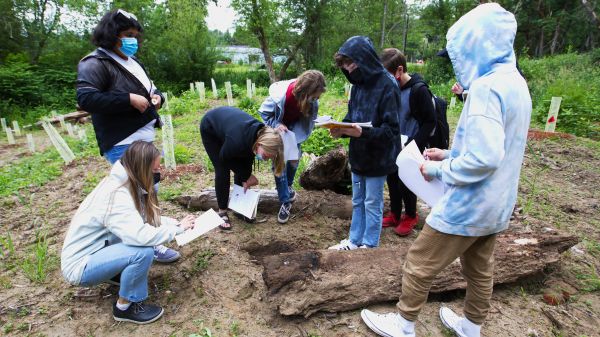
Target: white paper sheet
[
  {"x": 409, "y": 162},
  {"x": 204, "y": 223},
  {"x": 244, "y": 203},
  {"x": 290, "y": 146}
]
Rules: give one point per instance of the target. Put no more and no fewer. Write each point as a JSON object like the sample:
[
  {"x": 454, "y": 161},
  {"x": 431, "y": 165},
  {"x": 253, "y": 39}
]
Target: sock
[
  {"x": 407, "y": 326},
  {"x": 123, "y": 307},
  {"x": 469, "y": 328}
]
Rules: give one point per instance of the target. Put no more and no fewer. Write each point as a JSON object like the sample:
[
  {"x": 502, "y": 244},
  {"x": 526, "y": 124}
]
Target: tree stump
[
  {"x": 311, "y": 202},
  {"x": 306, "y": 282},
  {"x": 328, "y": 172}
]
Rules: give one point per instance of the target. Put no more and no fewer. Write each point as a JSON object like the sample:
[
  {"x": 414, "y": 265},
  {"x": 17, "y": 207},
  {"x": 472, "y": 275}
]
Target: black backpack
[{"x": 440, "y": 136}]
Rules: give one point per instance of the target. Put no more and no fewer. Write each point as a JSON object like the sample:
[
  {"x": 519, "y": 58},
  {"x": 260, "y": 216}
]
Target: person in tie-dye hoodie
[{"x": 481, "y": 172}]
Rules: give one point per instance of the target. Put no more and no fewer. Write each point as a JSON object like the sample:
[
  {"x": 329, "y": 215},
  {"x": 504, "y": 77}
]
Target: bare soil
[{"x": 217, "y": 284}]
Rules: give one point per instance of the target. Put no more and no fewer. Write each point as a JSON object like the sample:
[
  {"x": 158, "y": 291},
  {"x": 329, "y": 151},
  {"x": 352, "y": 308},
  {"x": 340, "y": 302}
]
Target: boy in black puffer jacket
[{"x": 375, "y": 98}]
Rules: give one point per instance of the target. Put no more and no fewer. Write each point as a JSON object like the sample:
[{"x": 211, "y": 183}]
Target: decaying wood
[
  {"x": 77, "y": 116},
  {"x": 310, "y": 202},
  {"x": 327, "y": 172},
  {"x": 306, "y": 282}
]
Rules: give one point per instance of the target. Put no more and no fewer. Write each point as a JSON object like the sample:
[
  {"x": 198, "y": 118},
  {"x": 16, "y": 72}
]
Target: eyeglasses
[{"x": 127, "y": 15}]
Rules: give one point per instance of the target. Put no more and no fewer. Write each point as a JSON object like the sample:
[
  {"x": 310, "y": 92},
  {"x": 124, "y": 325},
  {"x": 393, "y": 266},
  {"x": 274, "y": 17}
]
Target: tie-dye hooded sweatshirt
[{"x": 482, "y": 170}]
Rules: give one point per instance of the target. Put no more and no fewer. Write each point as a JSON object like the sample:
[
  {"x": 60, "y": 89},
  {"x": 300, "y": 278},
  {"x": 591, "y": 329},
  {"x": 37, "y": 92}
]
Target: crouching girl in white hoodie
[{"x": 112, "y": 234}]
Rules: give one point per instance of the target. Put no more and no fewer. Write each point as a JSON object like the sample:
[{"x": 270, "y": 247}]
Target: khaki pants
[{"x": 433, "y": 251}]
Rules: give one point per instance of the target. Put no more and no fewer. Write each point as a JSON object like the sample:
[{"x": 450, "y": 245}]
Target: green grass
[
  {"x": 202, "y": 260},
  {"x": 39, "y": 261}
]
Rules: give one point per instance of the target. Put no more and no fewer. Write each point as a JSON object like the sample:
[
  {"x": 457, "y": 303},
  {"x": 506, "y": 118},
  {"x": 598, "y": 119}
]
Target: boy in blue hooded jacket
[
  {"x": 375, "y": 98},
  {"x": 481, "y": 172}
]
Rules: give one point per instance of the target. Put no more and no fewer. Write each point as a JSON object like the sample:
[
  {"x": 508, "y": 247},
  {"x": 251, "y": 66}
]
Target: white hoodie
[
  {"x": 108, "y": 215},
  {"x": 482, "y": 172}
]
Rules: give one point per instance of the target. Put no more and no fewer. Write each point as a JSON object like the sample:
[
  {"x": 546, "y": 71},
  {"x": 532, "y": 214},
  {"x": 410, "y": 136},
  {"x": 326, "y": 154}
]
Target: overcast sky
[{"x": 220, "y": 17}]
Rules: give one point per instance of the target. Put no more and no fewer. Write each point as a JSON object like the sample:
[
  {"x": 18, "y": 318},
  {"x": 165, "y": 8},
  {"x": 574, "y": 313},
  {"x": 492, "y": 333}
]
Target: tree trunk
[
  {"x": 260, "y": 34},
  {"x": 385, "y": 9},
  {"x": 308, "y": 202},
  {"x": 306, "y": 282},
  {"x": 590, "y": 10},
  {"x": 328, "y": 172},
  {"x": 554, "y": 43}
]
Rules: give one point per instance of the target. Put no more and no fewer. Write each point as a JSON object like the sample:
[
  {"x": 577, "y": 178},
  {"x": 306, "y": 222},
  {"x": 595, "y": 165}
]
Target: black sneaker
[
  {"x": 245, "y": 218},
  {"x": 293, "y": 194},
  {"x": 284, "y": 212},
  {"x": 138, "y": 313}
]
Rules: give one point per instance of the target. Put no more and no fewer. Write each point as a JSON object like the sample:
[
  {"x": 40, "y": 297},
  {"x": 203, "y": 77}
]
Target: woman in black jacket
[
  {"x": 114, "y": 87},
  {"x": 233, "y": 139}
]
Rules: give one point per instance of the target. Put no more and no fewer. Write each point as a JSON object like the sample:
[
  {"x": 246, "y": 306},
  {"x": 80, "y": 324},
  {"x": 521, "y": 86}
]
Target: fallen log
[
  {"x": 328, "y": 172},
  {"x": 306, "y": 282},
  {"x": 77, "y": 116},
  {"x": 309, "y": 202}
]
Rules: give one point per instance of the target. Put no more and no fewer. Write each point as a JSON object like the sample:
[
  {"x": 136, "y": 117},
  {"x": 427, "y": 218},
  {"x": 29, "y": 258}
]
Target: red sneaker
[
  {"x": 390, "y": 220},
  {"x": 406, "y": 225}
]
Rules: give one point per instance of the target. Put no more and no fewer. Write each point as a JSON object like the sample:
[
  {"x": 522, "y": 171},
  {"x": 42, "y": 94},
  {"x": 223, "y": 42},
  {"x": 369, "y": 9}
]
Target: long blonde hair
[
  {"x": 309, "y": 83},
  {"x": 137, "y": 161},
  {"x": 270, "y": 141}
]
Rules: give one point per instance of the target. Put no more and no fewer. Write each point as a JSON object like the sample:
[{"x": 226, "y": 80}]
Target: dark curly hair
[{"x": 106, "y": 32}]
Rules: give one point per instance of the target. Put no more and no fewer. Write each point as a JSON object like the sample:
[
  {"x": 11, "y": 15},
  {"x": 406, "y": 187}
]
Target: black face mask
[
  {"x": 156, "y": 178},
  {"x": 355, "y": 77}
]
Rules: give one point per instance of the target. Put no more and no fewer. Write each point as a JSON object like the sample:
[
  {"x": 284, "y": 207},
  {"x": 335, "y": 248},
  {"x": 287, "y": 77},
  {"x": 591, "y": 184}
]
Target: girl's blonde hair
[
  {"x": 137, "y": 161},
  {"x": 309, "y": 83},
  {"x": 270, "y": 141}
]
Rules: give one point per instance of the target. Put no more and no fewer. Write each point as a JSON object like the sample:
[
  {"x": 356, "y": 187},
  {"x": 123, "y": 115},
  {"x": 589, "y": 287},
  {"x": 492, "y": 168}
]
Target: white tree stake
[
  {"x": 214, "y": 88},
  {"x": 553, "y": 114},
  {"x": 192, "y": 87},
  {"x": 166, "y": 100},
  {"x": 452, "y": 102},
  {"x": 61, "y": 119},
  {"x": 70, "y": 130},
  {"x": 59, "y": 143},
  {"x": 16, "y": 128},
  {"x": 3, "y": 122},
  {"x": 82, "y": 136},
  {"x": 249, "y": 88},
  {"x": 30, "y": 143},
  {"x": 229, "y": 93},
  {"x": 202, "y": 92},
  {"x": 9, "y": 135},
  {"x": 253, "y": 89},
  {"x": 168, "y": 142}
]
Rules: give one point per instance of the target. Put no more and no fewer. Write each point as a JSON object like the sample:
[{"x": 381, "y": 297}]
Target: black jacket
[
  {"x": 103, "y": 88},
  {"x": 237, "y": 132},
  {"x": 375, "y": 98},
  {"x": 421, "y": 109}
]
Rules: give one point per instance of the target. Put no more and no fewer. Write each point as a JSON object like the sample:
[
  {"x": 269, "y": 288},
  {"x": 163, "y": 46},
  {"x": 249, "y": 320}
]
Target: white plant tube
[
  {"x": 202, "y": 92},
  {"x": 168, "y": 142},
  {"x": 16, "y": 128},
  {"x": 30, "y": 143},
  {"x": 214, "y": 88},
  {"x": 229, "y": 93},
  {"x": 59, "y": 143},
  {"x": 9, "y": 135}
]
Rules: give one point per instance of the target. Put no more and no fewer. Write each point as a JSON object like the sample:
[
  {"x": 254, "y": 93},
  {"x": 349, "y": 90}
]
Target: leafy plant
[
  {"x": 39, "y": 263},
  {"x": 202, "y": 260}
]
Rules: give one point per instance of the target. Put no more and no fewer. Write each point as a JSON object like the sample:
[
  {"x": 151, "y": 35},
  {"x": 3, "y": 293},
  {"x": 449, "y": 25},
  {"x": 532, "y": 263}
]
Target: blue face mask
[
  {"x": 259, "y": 157},
  {"x": 129, "y": 46}
]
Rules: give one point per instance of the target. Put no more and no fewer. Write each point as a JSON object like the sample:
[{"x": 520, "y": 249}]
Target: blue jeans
[
  {"x": 285, "y": 182},
  {"x": 133, "y": 262},
  {"x": 115, "y": 153},
  {"x": 367, "y": 210}
]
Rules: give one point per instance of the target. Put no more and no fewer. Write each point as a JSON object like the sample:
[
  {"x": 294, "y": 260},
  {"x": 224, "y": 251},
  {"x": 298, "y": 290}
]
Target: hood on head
[
  {"x": 360, "y": 49},
  {"x": 480, "y": 40}
]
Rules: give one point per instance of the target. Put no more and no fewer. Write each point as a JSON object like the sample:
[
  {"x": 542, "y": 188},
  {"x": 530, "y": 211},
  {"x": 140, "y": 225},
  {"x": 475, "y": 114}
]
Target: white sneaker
[
  {"x": 461, "y": 326},
  {"x": 345, "y": 244},
  {"x": 388, "y": 325}
]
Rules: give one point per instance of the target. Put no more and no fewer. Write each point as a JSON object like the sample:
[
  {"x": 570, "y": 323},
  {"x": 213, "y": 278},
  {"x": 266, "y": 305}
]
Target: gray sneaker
[
  {"x": 284, "y": 212},
  {"x": 165, "y": 254}
]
